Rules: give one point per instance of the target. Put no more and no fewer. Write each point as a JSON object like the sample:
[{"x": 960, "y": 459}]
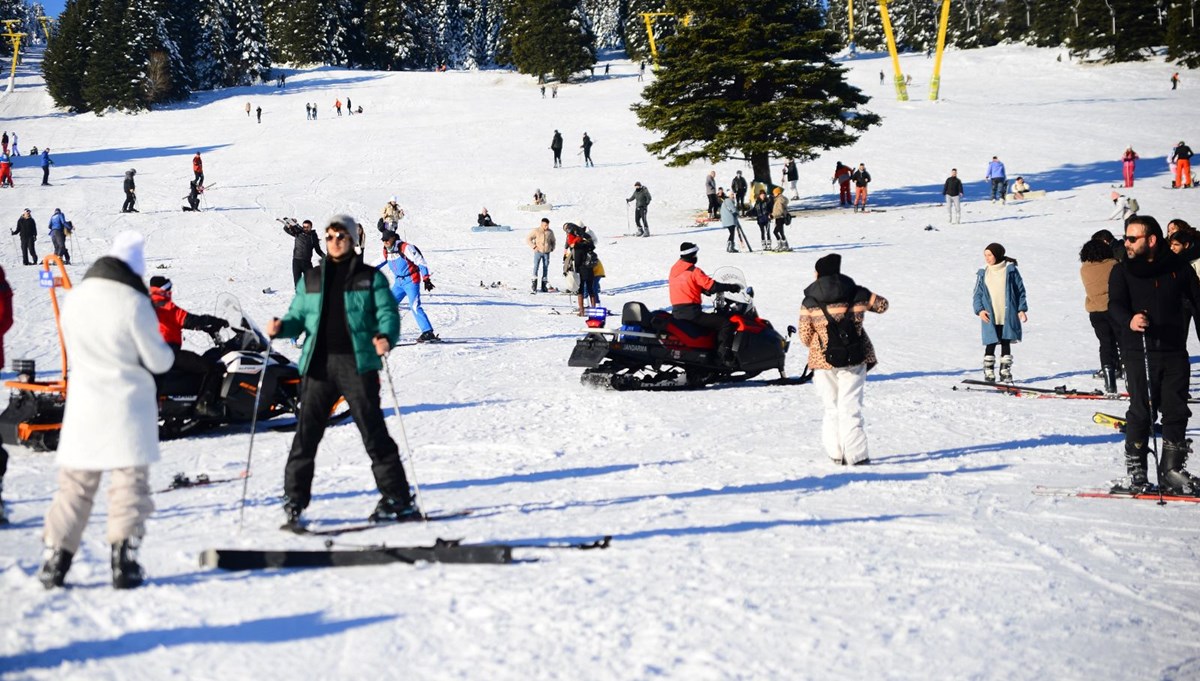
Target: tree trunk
[{"x": 761, "y": 163}]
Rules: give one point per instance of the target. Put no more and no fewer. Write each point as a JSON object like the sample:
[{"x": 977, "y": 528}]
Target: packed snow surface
[{"x": 739, "y": 550}]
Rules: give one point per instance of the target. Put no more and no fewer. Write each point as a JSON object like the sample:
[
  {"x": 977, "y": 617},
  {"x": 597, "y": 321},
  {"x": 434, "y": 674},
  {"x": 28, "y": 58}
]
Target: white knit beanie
[
  {"x": 129, "y": 247},
  {"x": 347, "y": 223}
]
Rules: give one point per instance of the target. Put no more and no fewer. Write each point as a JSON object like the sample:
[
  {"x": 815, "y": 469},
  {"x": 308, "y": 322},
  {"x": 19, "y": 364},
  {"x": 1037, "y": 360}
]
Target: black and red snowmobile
[{"x": 656, "y": 351}]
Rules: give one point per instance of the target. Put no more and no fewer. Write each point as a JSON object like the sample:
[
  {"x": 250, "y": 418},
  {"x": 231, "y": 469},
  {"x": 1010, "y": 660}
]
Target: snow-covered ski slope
[{"x": 739, "y": 551}]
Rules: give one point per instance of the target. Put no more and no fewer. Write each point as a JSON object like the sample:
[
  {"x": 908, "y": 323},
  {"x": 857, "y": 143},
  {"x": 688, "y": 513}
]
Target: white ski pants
[
  {"x": 129, "y": 505},
  {"x": 842, "y": 431},
  {"x": 954, "y": 207}
]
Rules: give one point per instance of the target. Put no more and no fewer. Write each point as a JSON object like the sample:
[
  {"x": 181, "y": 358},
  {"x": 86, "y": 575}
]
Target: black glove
[
  {"x": 428, "y": 284},
  {"x": 718, "y": 287}
]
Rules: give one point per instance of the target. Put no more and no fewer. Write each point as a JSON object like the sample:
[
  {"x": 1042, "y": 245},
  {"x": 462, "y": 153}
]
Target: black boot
[
  {"x": 393, "y": 510},
  {"x": 427, "y": 337},
  {"x": 292, "y": 515},
  {"x": 989, "y": 368},
  {"x": 533, "y": 286},
  {"x": 1174, "y": 478},
  {"x": 1110, "y": 380},
  {"x": 54, "y": 569},
  {"x": 544, "y": 287},
  {"x": 1135, "y": 465},
  {"x": 126, "y": 571}
]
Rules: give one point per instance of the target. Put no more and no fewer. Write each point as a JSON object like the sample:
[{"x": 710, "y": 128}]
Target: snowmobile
[
  {"x": 240, "y": 360},
  {"x": 656, "y": 351}
]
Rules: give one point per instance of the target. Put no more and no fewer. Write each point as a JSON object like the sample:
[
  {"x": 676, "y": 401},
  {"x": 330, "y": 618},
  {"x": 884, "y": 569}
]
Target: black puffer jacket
[
  {"x": 26, "y": 227},
  {"x": 1157, "y": 288},
  {"x": 306, "y": 243}
]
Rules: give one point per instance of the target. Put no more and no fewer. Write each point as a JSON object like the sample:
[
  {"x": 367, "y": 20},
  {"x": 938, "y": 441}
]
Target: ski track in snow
[{"x": 738, "y": 550}]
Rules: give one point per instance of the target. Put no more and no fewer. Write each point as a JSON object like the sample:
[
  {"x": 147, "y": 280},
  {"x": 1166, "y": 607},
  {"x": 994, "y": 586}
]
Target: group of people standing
[
  {"x": 59, "y": 229},
  {"x": 585, "y": 149}
]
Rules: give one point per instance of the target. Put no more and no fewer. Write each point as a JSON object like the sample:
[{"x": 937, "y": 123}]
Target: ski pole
[
  {"x": 626, "y": 218},
  {"x": 387, "y": 372},
  {"x": 253, "y": 423},
  {"x": 1153, "y": 418}
]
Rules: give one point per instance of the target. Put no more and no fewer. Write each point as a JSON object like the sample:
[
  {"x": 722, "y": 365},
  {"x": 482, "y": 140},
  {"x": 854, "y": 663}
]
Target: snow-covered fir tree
[
  {"x": 249, "y": 58},
  {"x": 637, "y": 42}
]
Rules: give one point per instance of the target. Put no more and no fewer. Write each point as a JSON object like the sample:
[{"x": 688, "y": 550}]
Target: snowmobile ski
[
  {"x": 1110, "y": 494},
  {"x": 335, "y": 530},
  {"x": 182, "y": 481},
  {"x": 443, "y": 551}
]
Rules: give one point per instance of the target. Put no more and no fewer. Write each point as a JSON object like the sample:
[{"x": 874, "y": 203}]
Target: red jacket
[
  {"x": 197, "y": 164},
  {"x": 6, "y": 312},
  {"x": 170, "y": 318},
  {"x": 687, "y": 282}
]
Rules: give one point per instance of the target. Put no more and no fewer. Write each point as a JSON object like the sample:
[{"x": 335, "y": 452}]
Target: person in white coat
[{"x": 111, "y": 419}]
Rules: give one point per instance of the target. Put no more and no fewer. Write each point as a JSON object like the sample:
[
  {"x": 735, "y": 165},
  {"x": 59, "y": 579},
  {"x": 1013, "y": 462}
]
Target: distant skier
[
  {"x": 307, "y": 111},
  {"x": 314, "y": 110},
  {"x": 338, "y": 105},
  {"x": 198, "y": 169},
  {"x": 27, "y": 229},
  {"x": 46, "y": 163},
  {"x": 5, "y": 170},
  {"x": 587, "y": 151},
  {"x": 192, "y": 198},
  {"x": 349, "y": 107},
  {"x": 305, "y": 243},
  {"x": 556, "y": 145},
  {"x": 130, "y": 192},
  {"x": 641, "y": 204},
  {"x": 999, "y": 179},
  {"x": 641, "y": 70},
  {"x": 1181, "y": 156},
  {"x": 861, "y": 179},
  {"x": 1175, "y": 80},
  {"x": 16, "y": 151},
  {"x": 841, "y": 177},
  {"x": 1129, "y": 165},
  {"x": 258, "y": 112},
  {"x": 408, "y": 265},
  {"x": 59, "y": 229},
  {"x": 4, "y": 142},
  {"x": 792, "y": 173},
  {"x": 738, "y": 186},
  {"x": 391, "y": 216},
  {"x": 952, "y": 189}
]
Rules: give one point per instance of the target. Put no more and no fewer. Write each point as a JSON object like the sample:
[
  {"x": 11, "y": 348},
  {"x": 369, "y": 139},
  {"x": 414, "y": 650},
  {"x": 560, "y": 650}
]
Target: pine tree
[
  {"x": 212, "y": 50},
  {"x": 249, "y": 60},
  {"x": 68, "y": 53},
  {"x": 637, "y": 43},
  {"x": 604, "y": 18},
  {"x": 974, "y": 23},
  {"x": 397, "y": 33},
  {"x": 1183, "y": 41},
  {"x": 751, "y": 81},
  {"x": 548, "y": 37},
  {"x": 112, "y": 78}
]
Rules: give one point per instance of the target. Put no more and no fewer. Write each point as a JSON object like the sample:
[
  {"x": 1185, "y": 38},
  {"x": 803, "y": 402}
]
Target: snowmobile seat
[{"x": 636, "y": 314}]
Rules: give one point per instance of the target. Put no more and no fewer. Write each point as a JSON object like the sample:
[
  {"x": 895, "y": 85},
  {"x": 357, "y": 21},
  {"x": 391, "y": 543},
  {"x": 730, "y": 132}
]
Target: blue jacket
[
  {"x": 46, "y": 162},
  {"x": 58, "y": 221},
  {"x": 996, "y": 171},
  {"x": 1014, "y": 302}
]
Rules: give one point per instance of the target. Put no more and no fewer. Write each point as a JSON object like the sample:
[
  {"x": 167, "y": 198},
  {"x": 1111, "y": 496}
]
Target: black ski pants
[
  {"x": 28, "y": 254},
  {"x": 58, "y": 237},
  {"x": 714, "y": 206},
  {"x": 780, "y": 223},
  {"x": 45, "y": 175},
  {"x": 639, "y": 219},
  {"x": 709, "y": 320},
  {"x": 1169, "y": 374},
  {"x": 130, "y": 200},
  {"x": 1107, "y": 333},
  {"x": 298, "y": 267},
  {"x": 327, "y": 379}
]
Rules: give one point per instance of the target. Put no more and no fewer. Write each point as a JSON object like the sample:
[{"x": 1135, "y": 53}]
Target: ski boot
[
  {"x": 1110, "y": 380},
  {"x": 766, "y": 244},
  {"x": 1135, "y": 465},
  {"x": 1006, "y": 368},
  {"x": 54, "y": 568},
  {"x": 784, "y": 247},
  {"x": 989, "y": 368},
  {"x": 427, "y": 337},
  {"x": 1174, "y": 478},
  {"x": 292, "y": 515},
  {"x": 126, "y": 571},
  {"x": 533, "y": 286},
  {"x": 544, "y": 289},
  {"x": 392, "y": 510}
]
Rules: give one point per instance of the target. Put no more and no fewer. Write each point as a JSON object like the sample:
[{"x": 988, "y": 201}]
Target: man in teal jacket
[{"x": 349, "y": 320}]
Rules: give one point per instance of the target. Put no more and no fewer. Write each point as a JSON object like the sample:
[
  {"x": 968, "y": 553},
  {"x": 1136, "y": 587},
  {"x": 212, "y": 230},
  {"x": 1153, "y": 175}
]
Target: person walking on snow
[
  {"x": 953, "y": 191},
  {"x": 587, "y": 151},
  {"x": 247, "y": 109},
  {"x": 792, "y": 174},
  {"x": 111, "y": 334},
  {"x": 130, "y": 192},
  {"x": 391, "y": 216},
  {"x": 641, "y": 204},
  {"x": 5, "y": 170},
  {"x": 16, "y": 151},
  {"x": 408, "y": 265},
  {"x": 729, "y": 220},
  {"x": 1175, "y": 80},
  {"x": 779, "y": 212},
  {"x": 828, "y": 303},
  {"x": 349, "y": 321},
  {"x": 710, "y": 192},
  {"x": 305, "y": 242},
  {"x": 999, "y": 302},
  {"x": 27, "y": 229},
  {"x": 1128, "y": 165},
  {"x": 1146, "y": 295},
  {"x": 841, "y": 177},
  {"x": 1181, "y": 156},
  {"x": 998, "y": 178},
  {"x": 861, "y": 179},
  {"x": 198, "y": 169},
  {"x": 46, "y": 163},
  {"x": 556, "y": 145},
  {"x": 337, "y": 104},
  {"x": 541, "y": 240},
  {"x": 59, "y": 229},
  {"x": 4, "y": 142},
  {"x": 739, "y": 187}
]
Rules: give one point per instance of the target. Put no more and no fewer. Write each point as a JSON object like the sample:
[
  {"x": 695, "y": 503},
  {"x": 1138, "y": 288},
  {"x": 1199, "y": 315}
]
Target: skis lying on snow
[
  {"x": 182, "y": 481},
  {"x": 1117, "y": 422},
  {"x": 1060, "y": 392},
  {"x": 335, "y": 530},
  {"x": 1114, "y": 493}
]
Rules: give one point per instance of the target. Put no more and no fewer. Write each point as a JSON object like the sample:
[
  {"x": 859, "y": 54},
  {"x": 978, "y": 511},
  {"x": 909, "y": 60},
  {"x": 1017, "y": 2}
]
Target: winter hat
[
  {"x": 777, "y": 191},
  {"x": 688, "y": 248},
  {"x": 161, "y": 282},
  {"x": 131, "y": 171},
  {"x": 996, "y": 250},
  {"x": 830, "y": 265},
  {"x": 570, "y": 227},
  {"x": 129, "y": 247},
  {"x": 348, "y": 224},
  {"x": 388, "y": 235},
  {"x": 637, "y": 184}
]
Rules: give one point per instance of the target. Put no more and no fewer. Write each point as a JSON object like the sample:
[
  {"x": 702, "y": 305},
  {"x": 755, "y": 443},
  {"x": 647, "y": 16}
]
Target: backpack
[
  {"x": 845, "y": 347},
  {"x": 1133, "y": 205}
]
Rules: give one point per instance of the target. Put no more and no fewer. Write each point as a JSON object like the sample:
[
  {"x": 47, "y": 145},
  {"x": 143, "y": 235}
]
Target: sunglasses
[
  {"x": 336, "y": 237},
  {"x": 1134, "y": 239}
]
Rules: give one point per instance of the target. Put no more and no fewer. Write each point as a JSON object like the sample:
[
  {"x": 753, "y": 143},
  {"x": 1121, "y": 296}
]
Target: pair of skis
[
  {"x": 1059, "y": 392},
  {"x": 1115, "y": 493}
]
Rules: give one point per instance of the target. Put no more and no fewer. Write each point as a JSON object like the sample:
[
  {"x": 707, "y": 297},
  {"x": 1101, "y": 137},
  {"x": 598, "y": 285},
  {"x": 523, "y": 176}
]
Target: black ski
[
  {"x": 336, "y": 530},
  {"x": 182, "y": 481},
  {"x": 442, "y": 551}
]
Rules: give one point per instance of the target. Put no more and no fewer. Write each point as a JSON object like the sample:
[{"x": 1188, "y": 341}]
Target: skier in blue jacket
[
  {"x": 407, "y": 263},
  {"x": 59, "y": 229},
  {"x": 995, "y": 173}
]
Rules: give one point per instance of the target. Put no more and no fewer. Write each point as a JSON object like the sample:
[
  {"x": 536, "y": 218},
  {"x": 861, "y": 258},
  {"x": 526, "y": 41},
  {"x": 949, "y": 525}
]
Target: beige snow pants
[{"x": 129, "y": 504}]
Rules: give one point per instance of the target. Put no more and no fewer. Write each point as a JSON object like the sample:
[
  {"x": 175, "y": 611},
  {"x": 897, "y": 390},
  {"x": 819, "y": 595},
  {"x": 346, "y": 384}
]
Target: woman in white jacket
[{"x": 111, "y": 418}]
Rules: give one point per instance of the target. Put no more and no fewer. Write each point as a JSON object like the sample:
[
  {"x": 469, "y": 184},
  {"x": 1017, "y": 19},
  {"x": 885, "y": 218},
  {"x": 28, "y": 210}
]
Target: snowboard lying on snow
[
  {"x": 491, "y": 228},
  {"x": 442, "y": 551}
]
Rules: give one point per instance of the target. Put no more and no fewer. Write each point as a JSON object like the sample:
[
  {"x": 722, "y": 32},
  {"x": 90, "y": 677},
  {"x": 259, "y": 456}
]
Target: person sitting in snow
[
  {"x": 539, "y": 199},
  {"x": 193, "y": 198},
  {"x": 1019, "y": 188},
  {"x": 485, "y": 220}
]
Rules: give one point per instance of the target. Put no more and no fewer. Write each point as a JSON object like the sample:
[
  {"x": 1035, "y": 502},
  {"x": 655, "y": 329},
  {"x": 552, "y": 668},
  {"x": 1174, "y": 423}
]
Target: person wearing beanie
[
  {"x": 779, "y": 213},
  {"x": 1000, "y": 304},
  {"x": 408, "y": 265},
  {"x": 110, "y": 423},
  {"x": 391, "y": 216},
  {"x": 861, "y": 179},
  {"x": 840, "y": 355},
  {"x": 172, "y": 320},
  {"x": 27, "y": 229},
  {"x": 1129, "y": 165},
  {"x": 641, "y": 204},
  {"x": 130, "y": 192},
  {"x": 729, "y": 220},
  {"x": 686, "y": 283},
  {"x": 349, "y": 320}
]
